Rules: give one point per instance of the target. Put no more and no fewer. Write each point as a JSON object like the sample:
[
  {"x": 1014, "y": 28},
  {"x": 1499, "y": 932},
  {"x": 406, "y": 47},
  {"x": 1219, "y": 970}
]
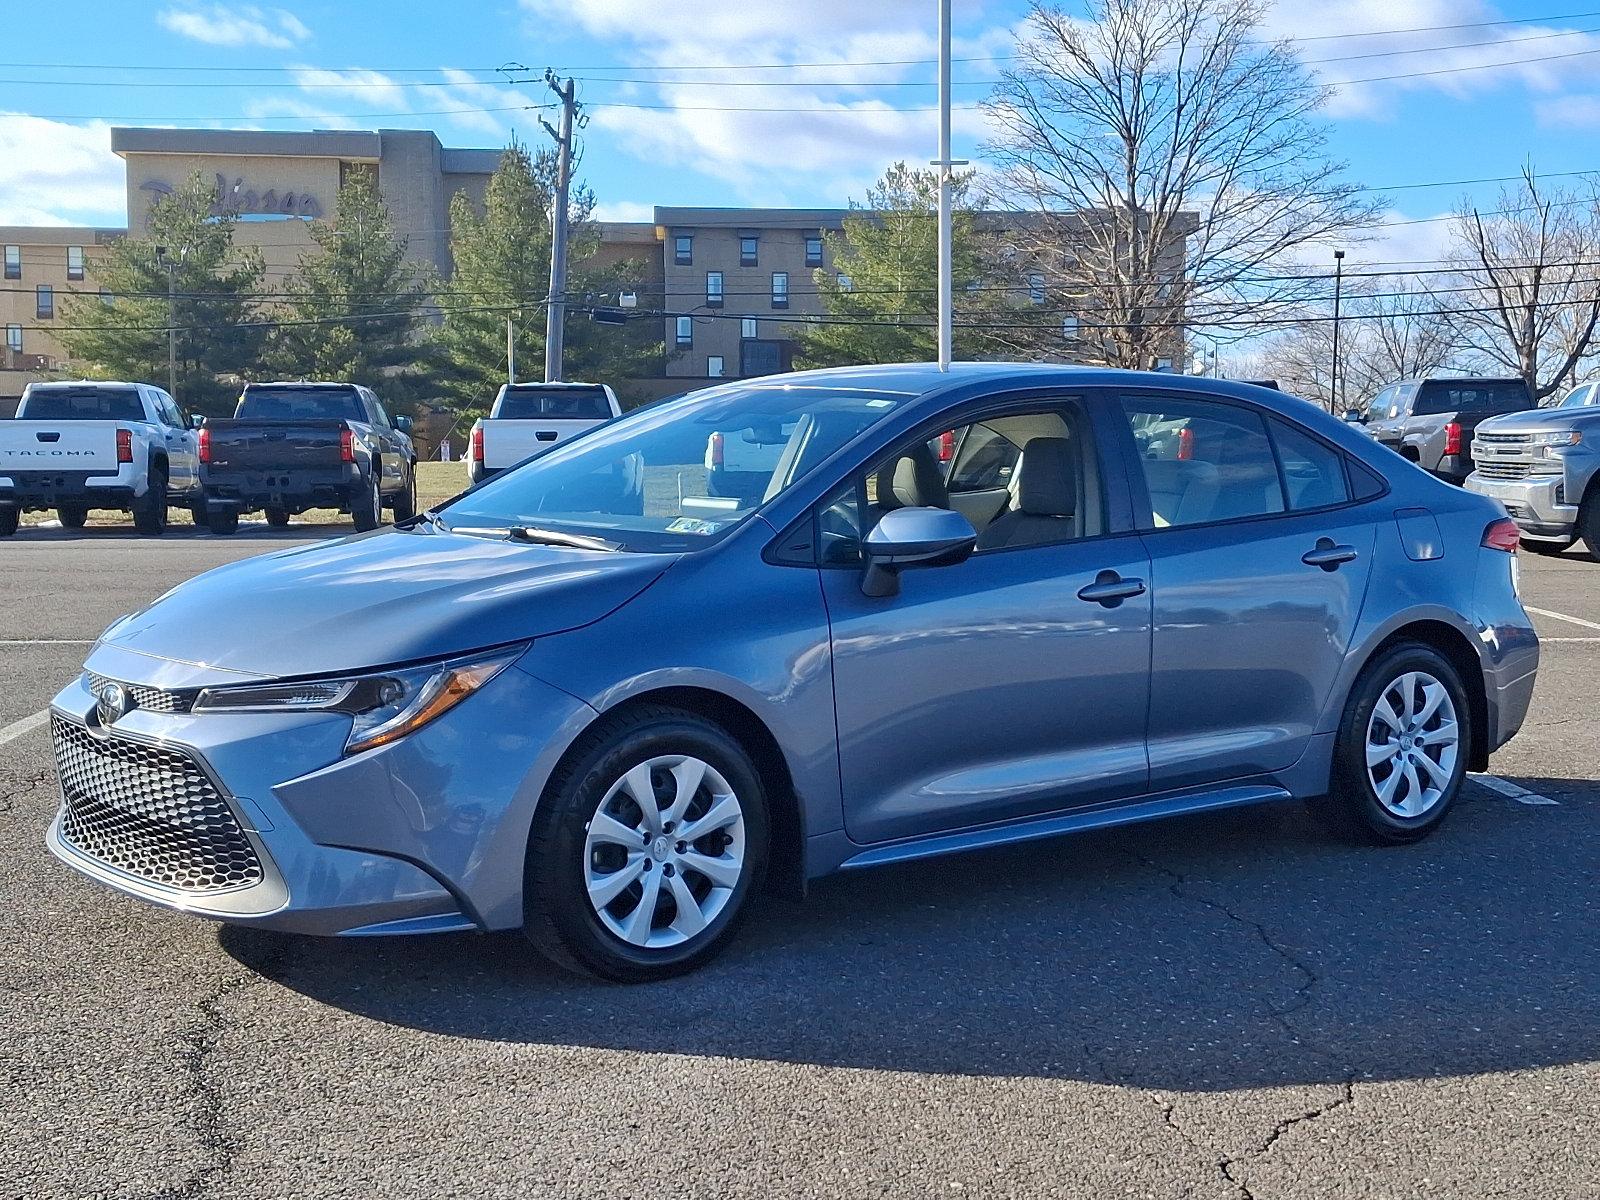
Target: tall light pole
[
  {"x": 556, "y": 309},
  {"x": 171, "y": 267},
  {"x": 1335, "y": 377},
  {"x": 945, "y": 166}
]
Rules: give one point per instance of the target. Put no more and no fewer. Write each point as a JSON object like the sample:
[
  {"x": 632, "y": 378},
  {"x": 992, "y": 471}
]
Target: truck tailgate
[
  {"x": 508, "y": 442},
  {"x": 58, "y": 446},
  {"x": 246, "y": 445}
]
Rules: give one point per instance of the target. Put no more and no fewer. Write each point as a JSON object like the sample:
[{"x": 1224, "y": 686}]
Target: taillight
[
  {"x": 1502, "y": 535},
  {"x": 1185, "y": 443},
  {"x": 124, "y": 445},
  {"x": 477, "y": 443},
  {"x": 947, "y": 445},
  {"x": 716, "y": 449},
  {"x": 1452, "y": 438},
  {"x": 347, "y": 446},
  {"x": 203, "y": 445}
]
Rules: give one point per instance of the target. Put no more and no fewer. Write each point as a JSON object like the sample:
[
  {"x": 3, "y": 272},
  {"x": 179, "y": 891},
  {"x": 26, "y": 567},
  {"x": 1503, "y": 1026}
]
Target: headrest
[
  {"x": 1047, "y": 478},
  {"x": 912, "y": 480}
]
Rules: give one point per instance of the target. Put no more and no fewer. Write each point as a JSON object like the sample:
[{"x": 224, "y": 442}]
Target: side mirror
[
  {"x": 914, "y": 537},
  {"x": 196, "y": 420},
  {"x": 403, "y": 424},
  {"x": 1355, "y": 416}
]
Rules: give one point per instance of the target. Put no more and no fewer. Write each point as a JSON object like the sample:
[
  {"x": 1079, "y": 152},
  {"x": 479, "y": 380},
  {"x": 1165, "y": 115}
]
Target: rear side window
[
  {"x": 1313, "y": 474},
  {"x": 1469, "y": 396},
  {"x": 523, "y": 402},
  {"x": 1203, "y": 461},
  {"x": 300, "y": 404},
  {"x": 84, "y": 404}
]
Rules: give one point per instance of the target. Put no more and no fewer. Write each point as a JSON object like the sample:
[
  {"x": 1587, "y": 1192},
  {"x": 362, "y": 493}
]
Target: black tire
[
  {"x": 560, "y": 921},
  {"x": 10, "y": 517},
  {"x": 72, "y": 516},
  {"x": 222, "y": 521},
  {"x": 197, "y": 513},
  {"x": 277, "y": 517},
  {"x": 1352, "y": 806},
  {"x": 1548, "y": 549},
  {"x": 1589, "y": 521},
  {"x": 405, "y": 500},
  {"x": 150, "y": 509},
  {"x": 366, "y": 504}
]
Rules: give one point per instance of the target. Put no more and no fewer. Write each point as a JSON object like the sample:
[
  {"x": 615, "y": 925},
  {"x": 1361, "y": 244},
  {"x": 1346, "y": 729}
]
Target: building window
[
  {"x": 106, "y": 297},
  {"x": 1069, "y": 328},
  {"x": 813, "y": 249},
  {"x": 13, "y": 262},
  {"x": 747, "y": 328},
  {"x": 45, "y": 302},
  {"x": 748, "y": 245},
  {"x": 713, "y": 289},
  {"x": 845, "y": 282},
  {"x": 14, "y": 338},
  {"x": 685, "y": 331},
  {"x": 683, "y": 250},
  {"x": 75, "y": 262},
  {"x": 714, "y": 367},
  {"x": 1035, "y": 288},
  {"x": 780, "y": 289}
]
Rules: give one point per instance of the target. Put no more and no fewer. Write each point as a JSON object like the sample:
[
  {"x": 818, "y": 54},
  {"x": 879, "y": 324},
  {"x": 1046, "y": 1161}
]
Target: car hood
[
  {"x": 374, "y": 600},
  {"x": 1542, "y": 418}
]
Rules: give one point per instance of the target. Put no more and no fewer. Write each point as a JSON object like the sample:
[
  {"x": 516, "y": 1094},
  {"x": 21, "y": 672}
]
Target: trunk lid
[
  {"x": 58, "y": 445},
  {"x": 255, "y": 445}
]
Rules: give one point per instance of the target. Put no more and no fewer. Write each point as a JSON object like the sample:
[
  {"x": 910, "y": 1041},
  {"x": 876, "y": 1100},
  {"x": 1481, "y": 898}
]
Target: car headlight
[
  {"x": 1568, "y": 437},
  {"x": 383, "y": 705}
]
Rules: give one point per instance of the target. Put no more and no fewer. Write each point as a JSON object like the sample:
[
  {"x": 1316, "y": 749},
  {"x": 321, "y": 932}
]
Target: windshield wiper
[{"x": 554, "y": 537}]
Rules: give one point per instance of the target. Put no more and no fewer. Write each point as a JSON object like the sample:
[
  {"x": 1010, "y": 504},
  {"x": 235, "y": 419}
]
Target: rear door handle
[
  {"x": 1111, "y": 589},
  {"x": 1328, "y": 555}
]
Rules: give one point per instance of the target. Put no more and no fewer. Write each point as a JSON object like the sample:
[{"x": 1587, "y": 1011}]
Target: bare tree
[
  {"x": 1174, "y": 160},
  {"x": 1526, "y": 280}
]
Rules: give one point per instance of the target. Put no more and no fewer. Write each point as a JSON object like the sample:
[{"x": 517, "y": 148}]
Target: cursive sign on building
[{"x": 235, "y": 197}]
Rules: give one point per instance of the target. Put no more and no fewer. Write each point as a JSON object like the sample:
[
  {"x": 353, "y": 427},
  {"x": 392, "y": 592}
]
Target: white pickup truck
[
  {"x": 530, "y": 418},
  {"x": 77, "y": 446}
]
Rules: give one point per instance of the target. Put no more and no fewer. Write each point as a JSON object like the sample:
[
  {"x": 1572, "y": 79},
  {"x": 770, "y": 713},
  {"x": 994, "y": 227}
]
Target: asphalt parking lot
[{"x": 1227, "y": 1006}]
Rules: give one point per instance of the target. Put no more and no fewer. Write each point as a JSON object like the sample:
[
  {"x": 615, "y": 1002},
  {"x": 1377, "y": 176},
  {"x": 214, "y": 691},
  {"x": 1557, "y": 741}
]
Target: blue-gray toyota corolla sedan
[{"x": 794, "y": 625}]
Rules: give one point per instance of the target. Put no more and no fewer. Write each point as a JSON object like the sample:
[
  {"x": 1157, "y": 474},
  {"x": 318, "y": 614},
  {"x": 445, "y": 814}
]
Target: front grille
[
  {"x": 1504, "y": 470},
  {"x": 151, "y": 699},
  {"x": 1503, "y": 439},
  {"x": 149, "y": 812}
]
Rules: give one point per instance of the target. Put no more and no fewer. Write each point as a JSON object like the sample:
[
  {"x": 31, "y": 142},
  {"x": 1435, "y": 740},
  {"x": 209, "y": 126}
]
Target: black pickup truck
[{"x": 294, "y": 446}]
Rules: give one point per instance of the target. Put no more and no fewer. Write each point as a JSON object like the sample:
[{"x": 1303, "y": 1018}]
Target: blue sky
[{"x": 652, "y": 137}]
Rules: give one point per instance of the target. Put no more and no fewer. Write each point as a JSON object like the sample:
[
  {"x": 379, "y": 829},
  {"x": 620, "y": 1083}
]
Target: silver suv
[{"x": 1544, "y": 466}]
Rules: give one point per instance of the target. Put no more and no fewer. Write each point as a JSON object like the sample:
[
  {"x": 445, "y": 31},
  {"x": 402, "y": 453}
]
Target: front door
[{"x": 1003, "y": 687}]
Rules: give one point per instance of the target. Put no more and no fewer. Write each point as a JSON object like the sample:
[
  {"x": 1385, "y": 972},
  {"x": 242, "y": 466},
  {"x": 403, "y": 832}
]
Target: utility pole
[
  {"x": 945, "y": 165},
  {"x": 172, "y": 320},
  {"x": 511, "y": 349},
  {"x": 1335, "y": 382},
  {"x": 556, "y": 308}
]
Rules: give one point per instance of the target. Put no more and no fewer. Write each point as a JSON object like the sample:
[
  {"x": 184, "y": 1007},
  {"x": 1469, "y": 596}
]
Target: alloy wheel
[
  {"x": 1413, "y": 742},
  {"x": 664, "y": 851}
]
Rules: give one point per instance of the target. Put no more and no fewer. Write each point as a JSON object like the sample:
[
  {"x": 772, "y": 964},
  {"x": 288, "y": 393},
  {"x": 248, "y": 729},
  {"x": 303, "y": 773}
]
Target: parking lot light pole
[
  {"x": 172, "y": 320},
  {"x": 944, "y": 165},
  {"x": 1335, "y": 380}
]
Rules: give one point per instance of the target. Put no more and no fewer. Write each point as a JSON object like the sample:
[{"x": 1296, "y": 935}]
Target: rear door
[
  {"x": 1260, "y": 559},
  {"x": 182, "y": 462}
]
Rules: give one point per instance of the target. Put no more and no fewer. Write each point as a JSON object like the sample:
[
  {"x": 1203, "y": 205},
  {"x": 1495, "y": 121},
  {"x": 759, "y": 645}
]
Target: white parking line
[
  {"x": 1545, "y": 612},
  {"x": 1594, "y": 641},
  {"x": 11, "y": 732},
  {"x": 1511, "y": 790},
  {"x": 76, "y": 642}
]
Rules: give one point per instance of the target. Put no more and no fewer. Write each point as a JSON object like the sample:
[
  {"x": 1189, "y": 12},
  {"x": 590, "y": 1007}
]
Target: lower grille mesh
[{"x": 149, "y": 812}]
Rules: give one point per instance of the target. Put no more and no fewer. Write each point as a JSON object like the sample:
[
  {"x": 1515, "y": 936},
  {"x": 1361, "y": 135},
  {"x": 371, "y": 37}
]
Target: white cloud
[
  {"x": 245, "y": 25},
  {"x": 1569, "y": 112},
  {"x": 624, "y": 210},
  {"x": 369, "y": 89},
  {"x": 466, "y": 92},
  {"x": 53, "y": 173}
]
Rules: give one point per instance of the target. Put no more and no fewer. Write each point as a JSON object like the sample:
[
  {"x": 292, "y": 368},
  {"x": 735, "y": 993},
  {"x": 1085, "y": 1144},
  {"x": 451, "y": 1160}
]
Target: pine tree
[
  {"x": 122, "y": 334},
  {"x": 356, "y": 307}
]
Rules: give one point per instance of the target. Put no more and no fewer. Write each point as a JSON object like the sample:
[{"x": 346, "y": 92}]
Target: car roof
[
  {"x": 301, "y": 383},
  {"x": 557, "y": 385}
]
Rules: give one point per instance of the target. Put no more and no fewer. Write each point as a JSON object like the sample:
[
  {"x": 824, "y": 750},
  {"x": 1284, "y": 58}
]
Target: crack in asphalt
[
  {"x": 10, "y": 796},
  {"x": 201, "y": 1045},
  {"x": 1280, "y": 1013}
]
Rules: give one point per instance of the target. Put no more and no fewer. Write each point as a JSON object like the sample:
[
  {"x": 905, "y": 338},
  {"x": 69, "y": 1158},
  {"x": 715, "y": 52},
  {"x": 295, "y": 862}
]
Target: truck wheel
[
  {"x": 366, "y": 505},
  {"x": 1549, "y": 549},
  {"x": 1589, "y": 521},
  {"x": 9, "y": 517},
  {"x": 72, "y": 516},
  {"x": 405, "y": 501},
  {"x": 277, "y": 517},
  {"x": 150, "y": 509},
  {"x": 222, "y": 520}
]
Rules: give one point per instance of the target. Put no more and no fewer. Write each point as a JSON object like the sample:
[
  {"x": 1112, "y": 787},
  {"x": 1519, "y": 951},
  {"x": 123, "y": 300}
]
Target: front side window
[
  {"x": 642, "y": 482},
  {"x": 1203, "y": 461},
  {"x": 75, "y": 262},
  {"x": 1583, "y": 397},
  {"x": 13, "y": 262},
  {"x": 685, "y": 334},
  {"x": 714, "y": 289},
  {"x": 683, "y": 250},
  {"x": 14, "y": 338},
  {"x": 749, "y": 245},
  {"x": 780, "y": 289},
  {"x": 45, "y": 302}
]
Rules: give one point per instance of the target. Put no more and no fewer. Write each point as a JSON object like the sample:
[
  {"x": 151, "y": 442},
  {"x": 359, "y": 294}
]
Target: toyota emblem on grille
[{"x": 112, "y": 702}]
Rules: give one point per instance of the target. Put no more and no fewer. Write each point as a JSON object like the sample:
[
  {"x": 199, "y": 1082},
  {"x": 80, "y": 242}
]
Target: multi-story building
[{"x": 39, "y": 267}]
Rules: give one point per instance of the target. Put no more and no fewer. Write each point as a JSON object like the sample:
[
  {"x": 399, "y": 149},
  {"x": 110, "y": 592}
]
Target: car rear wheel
[
  {"x": 221, "y": 521},
  {"x": 150, "y": 509},
  {"x": 405, "y": 500},
  {"x": 1403, "y": 747},
  {"x": 1589, "y": 521},
  {"x": 72, "y": 516},
  {"x": 647, "y": 848},
  {"x": 277, "y": 517},
  {"x": 1547, "y": 548},
  {"x": 366, "y": 504}
]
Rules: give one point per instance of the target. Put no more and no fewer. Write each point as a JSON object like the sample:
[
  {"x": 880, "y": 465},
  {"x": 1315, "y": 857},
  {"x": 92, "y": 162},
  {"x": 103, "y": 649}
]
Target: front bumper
[
  {"x": 1537, "y": 504},
  {"x": 426, "y": 834}
]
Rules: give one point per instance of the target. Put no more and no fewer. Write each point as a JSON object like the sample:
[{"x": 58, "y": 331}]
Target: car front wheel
[
  {"x": 1403, "y": 747},
  {"x": 647, "y": 848}
]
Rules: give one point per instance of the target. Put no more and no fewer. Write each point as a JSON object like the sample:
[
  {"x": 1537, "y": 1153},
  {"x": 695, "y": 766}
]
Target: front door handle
[
  {"x": 1111, "y": 589},
  {"x": 1328, "y": 555}
]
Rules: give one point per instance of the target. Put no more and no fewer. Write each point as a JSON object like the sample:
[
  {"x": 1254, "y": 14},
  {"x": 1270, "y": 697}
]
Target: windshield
[
  {"x": 521, "y": 401},
  {"x": 83, "y": 404},
  {"x": 299, "y": 404},
  {"x": 1586, "y": 396},
  {"x": 676, "y": 476}
]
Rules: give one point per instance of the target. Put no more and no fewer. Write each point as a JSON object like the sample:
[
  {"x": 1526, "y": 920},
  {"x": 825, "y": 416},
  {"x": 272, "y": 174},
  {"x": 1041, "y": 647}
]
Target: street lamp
[
  {"x": 1335, "y": 382},
  {"x": 170, "y": 265}
]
